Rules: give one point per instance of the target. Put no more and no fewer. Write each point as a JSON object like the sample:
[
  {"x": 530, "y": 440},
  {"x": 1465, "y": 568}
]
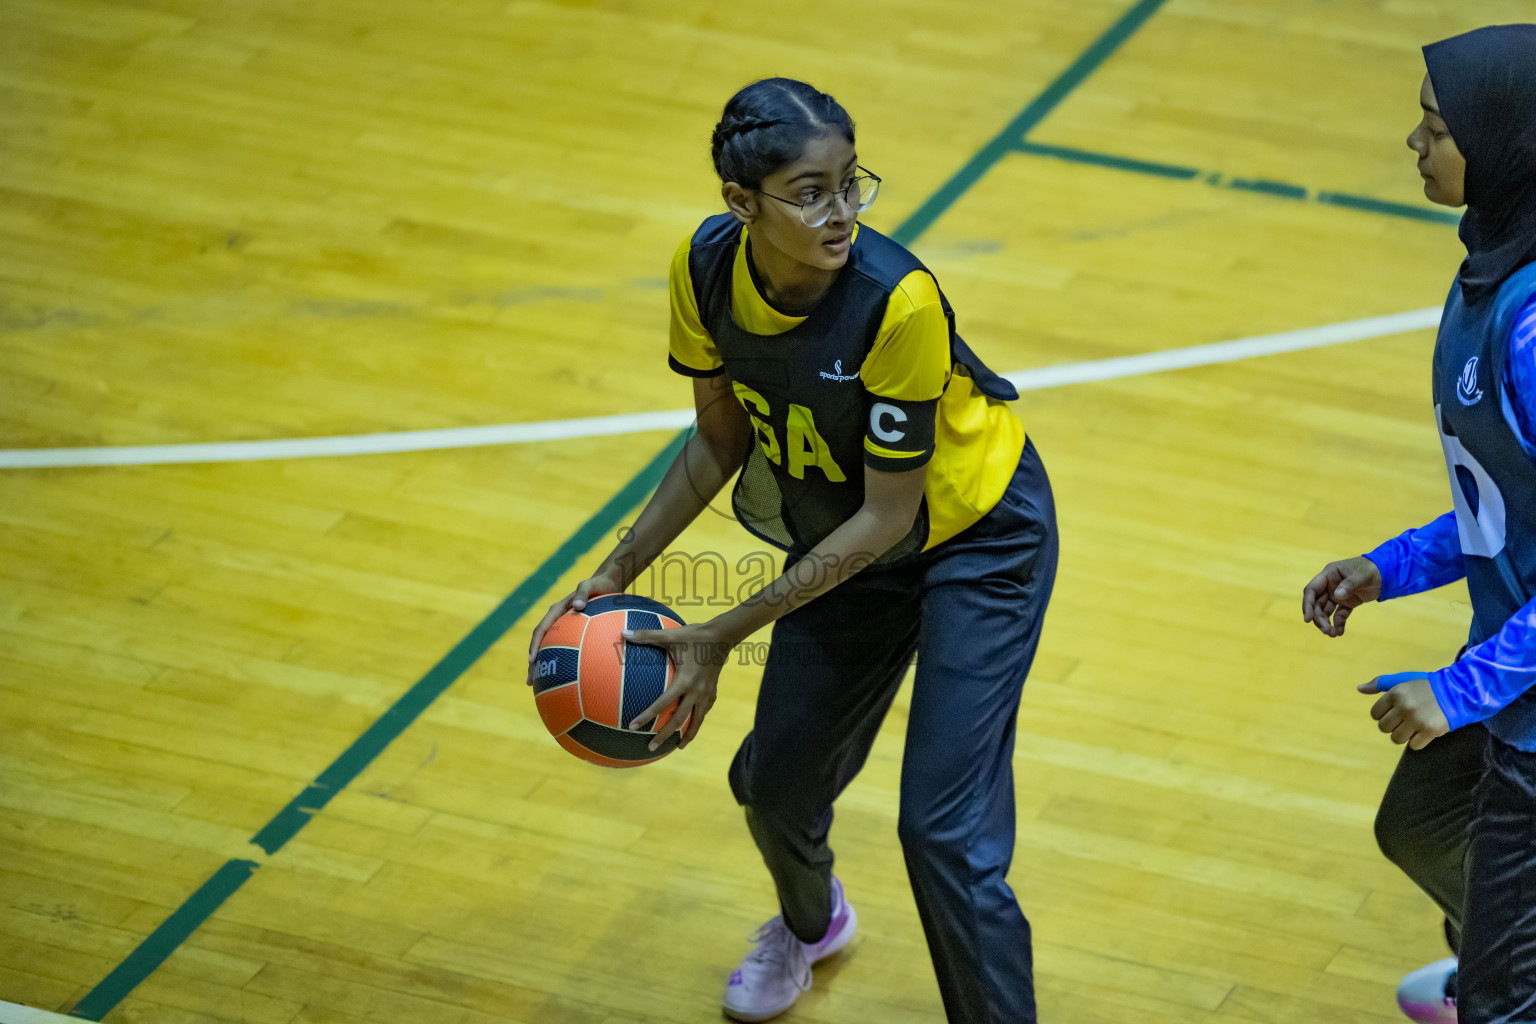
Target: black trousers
[
  {"x": 971, "y": 610},
  {"x": 1459, "y": 817}
]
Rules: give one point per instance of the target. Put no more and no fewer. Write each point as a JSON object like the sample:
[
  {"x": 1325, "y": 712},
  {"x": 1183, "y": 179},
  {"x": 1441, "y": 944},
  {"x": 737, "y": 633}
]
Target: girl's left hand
[
  {"x": 1407, "y": 709},
  {"x": 697, "y": 655}
]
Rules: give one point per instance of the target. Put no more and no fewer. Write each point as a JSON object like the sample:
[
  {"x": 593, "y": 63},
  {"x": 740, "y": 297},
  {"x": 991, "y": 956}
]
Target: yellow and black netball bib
[{"x": 817, "y": 424}]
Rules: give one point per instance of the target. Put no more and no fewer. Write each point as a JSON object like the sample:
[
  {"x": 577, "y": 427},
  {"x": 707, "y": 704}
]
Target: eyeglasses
[{"x": 817, "y": 207}]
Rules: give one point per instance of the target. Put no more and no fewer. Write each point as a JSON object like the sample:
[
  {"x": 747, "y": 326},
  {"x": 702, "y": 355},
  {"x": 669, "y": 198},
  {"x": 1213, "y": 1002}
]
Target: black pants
[
  {"x": 971, "y": 609},
  {"x": 1459, "y": 817}
]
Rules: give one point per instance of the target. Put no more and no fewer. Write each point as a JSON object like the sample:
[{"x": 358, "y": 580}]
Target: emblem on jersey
[
  {"x": 837, "y": 372},
  {"x": 1467, "y": 391},
  {"x": 882, "y": 411}
]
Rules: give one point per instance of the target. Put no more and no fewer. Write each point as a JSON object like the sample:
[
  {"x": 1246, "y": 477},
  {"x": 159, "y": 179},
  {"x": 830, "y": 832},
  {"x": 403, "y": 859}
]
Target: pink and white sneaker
[
  {"x": 778, "y": 969},
  {"x": 1428, "y": 995}
]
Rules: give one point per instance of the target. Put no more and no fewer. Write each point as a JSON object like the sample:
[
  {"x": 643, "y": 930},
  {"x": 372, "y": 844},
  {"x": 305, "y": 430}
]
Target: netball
[{"x": 588, "y": 681}]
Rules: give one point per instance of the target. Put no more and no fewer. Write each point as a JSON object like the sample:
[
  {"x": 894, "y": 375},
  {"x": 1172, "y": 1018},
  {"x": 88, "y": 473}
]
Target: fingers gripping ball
[{"x": 588, "y": 681}]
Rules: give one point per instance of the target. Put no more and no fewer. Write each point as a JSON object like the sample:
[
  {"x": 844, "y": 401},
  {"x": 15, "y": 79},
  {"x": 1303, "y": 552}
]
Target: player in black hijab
[
  {"x": 1459, "y": 816},
  {"x": 1485, "y": 82}
]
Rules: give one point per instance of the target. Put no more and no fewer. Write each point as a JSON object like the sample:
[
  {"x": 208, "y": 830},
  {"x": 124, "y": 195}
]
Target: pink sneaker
[
  {"x": 778, "y": 969},
  {"x": 1428, "y": 995}
]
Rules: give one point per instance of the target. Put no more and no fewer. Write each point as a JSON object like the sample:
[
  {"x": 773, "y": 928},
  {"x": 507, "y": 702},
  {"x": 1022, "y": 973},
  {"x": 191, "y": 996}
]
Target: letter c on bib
[{"x": 878, "y": 412}]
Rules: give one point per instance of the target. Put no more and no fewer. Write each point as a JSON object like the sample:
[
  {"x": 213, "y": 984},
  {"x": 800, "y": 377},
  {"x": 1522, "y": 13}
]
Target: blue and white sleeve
[
  {"x": 1430, "y": 556},
  {"x": 1421, "y": 559},
  {"x": 1492, "y": 674},
  {"x": 1519, "y": 393}
]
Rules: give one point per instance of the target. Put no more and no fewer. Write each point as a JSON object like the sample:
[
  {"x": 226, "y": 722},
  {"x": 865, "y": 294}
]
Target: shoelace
[{"x": 778, "y": 947}]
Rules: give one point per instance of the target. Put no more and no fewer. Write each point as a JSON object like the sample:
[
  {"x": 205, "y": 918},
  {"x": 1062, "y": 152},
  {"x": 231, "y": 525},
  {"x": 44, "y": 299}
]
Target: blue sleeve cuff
[
  {"x": 1391, "y": 679},
  {"x": 1389, "y": 563},
  {"x": 1449, "y": 686},
  {"x": 1492, "y": 675},
  {"x": 1455, "y": 712},
  {"x": 1421, "y": 559}
]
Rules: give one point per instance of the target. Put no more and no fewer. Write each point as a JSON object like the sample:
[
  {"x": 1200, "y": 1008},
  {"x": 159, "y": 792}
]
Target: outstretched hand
[
  {"x": 1338, "y": 590},
  {"x": 1407, "y": 709}
]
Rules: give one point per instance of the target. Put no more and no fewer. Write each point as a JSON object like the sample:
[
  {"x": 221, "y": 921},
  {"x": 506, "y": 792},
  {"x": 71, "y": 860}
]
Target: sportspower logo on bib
[
  {"x": 837, "y": 372},
  {"x": 1467, "y": 391}
]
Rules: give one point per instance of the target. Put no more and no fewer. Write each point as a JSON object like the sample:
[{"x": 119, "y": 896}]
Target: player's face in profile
[
  {"x": 825, "y": 165},
  {"x": 1440, "y": 163}
]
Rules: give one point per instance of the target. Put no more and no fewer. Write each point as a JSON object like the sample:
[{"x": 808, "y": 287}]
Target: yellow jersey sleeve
[
  {"x": 691, "y": 351},
  {"x": 910, "y": 358}
]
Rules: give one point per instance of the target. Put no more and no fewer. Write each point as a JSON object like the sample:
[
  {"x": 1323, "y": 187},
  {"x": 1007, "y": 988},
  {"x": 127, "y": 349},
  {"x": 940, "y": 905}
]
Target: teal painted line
[
  {"x": 1118, "y": 163},
  {"x": 175, "y": 930},
  {"x": 162, "y": 942},
  {"x": 1215, "y": 179},
  {"x": 465, "y": 653},
  {"x": 1391, "y": 209},
  {"x": 1271, "y": 188},
  {"x": 1086, "y": 64}
]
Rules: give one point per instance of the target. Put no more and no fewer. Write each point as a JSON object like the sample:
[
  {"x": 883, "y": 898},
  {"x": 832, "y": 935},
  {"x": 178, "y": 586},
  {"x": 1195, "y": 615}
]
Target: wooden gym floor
[{"x": 247, "y": 222}]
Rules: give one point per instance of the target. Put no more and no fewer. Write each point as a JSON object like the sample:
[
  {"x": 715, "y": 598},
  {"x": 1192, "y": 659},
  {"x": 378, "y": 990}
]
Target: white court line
[
  {"x": 13, "y": 1013},
  {"x": 1223, "y": 351},
  {"x": 634, "y": 423},
  {"x": 356, "y": 444}
]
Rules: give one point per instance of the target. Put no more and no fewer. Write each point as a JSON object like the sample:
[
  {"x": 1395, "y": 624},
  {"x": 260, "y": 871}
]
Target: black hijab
[{"x": 1485, "y": 82}]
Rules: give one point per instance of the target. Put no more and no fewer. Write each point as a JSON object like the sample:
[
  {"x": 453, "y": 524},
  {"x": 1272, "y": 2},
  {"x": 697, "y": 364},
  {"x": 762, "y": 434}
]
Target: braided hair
[{"x": 766, "y": 126}]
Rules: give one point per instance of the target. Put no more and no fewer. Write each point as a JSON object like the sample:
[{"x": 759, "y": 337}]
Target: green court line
[
  {"x": 1269, "y": 188},
  {"x": 1279, "y": 189},
  {"x": 465, "y": 653},
  {"x": 1394, "y": 209},
  {"x": 1118, "y": 163},
  {"x": 201, "y": 905},
  {"x": 162, "y": 942},
  {"x": 187, "y": 918},
  {"x": 1076, "y": 73}
]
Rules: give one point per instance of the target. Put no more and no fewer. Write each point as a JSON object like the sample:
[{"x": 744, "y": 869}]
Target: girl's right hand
[
  {"x": 595, "y": 586},
  {"x": 1339, "y": 589}
]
